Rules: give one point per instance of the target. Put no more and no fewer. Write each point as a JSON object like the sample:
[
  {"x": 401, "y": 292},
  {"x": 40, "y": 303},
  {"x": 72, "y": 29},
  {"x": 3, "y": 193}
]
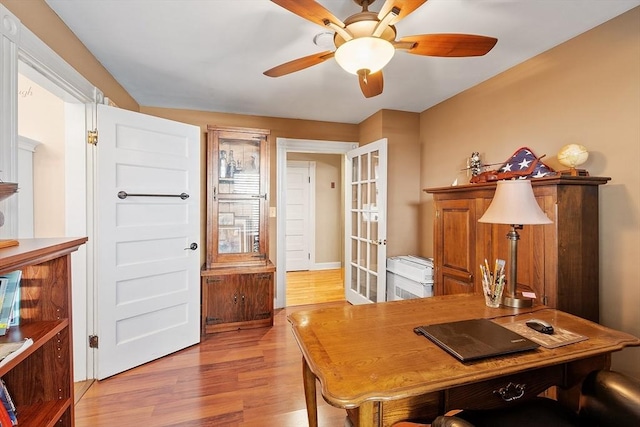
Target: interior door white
[
  {"x": 148, "y": 292},
  {"x": 298, "y": 223},
  {"x": 366, "y": 223}
]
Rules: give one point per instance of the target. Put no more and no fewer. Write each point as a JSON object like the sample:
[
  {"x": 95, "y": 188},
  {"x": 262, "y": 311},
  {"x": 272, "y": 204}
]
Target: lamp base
[{"x": 517, "y": 302}]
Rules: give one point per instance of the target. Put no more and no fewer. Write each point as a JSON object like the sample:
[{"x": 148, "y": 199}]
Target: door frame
[{"x": 284, "y": 146}]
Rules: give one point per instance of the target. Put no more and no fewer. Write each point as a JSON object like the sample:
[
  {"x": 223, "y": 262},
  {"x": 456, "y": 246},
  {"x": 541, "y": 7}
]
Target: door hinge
[
  {"x": 92, "y": 137},
  {"x": 93, "y": 341}
]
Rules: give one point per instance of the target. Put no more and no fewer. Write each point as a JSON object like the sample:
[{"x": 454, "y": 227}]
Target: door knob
[{"x": 192, "y": 246}]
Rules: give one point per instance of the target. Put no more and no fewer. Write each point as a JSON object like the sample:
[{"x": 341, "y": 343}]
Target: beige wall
[
  {"x": 328, "y": 204},
  {"x": 585, "y": 91},
  {"x": 41, "y": 118}
]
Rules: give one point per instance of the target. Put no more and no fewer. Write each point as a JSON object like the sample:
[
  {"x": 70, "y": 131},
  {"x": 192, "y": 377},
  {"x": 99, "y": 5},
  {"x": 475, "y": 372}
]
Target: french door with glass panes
[{"x": 365, "y": 223}]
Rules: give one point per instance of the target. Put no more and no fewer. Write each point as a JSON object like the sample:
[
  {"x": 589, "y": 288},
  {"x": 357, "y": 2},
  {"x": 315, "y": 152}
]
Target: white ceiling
[{"x": 210, "y": 54}]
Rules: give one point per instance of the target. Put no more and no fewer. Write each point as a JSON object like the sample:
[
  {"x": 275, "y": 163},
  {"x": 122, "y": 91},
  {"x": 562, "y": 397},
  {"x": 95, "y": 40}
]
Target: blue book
[
  {"x": 7, "y": 402},
  {"x": 15, "y": 310},
  {"x": 9, "y": 296}
]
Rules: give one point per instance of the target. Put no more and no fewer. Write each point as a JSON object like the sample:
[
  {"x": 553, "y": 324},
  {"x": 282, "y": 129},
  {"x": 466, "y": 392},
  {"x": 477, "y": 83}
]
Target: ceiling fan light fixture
[{"x": 364, "y": 53}]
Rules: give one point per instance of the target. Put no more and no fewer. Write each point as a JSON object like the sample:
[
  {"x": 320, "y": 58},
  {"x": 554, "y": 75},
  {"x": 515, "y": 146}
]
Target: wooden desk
[{"x": 368, "y": 360}]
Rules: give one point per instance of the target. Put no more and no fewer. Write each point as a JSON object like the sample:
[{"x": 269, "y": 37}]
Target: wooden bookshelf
[{"x": 40, "y": 379}]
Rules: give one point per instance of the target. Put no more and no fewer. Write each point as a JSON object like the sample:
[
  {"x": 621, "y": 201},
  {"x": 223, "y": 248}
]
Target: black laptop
[{"x": 475, "y": 339}]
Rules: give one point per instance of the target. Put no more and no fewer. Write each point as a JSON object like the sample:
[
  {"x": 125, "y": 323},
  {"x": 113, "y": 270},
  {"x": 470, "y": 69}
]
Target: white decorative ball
[{"x": 573, "y": 155}]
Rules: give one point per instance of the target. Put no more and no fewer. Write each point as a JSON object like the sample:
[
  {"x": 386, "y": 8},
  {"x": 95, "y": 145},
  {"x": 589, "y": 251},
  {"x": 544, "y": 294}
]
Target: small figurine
[{"x": 474, "y": 163}]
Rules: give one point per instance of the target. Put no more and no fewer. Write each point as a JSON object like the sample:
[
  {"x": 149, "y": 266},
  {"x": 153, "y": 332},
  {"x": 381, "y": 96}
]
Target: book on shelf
[
  {"x": 14, "y": 319},
  {"x": 8, "y": 297},
  {"x": 8, "y": 403},
  {"x": 9, "y": 350}
]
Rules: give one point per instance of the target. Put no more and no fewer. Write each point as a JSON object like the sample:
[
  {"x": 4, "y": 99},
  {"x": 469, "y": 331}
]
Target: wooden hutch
[{"x": 237, "y": 278}]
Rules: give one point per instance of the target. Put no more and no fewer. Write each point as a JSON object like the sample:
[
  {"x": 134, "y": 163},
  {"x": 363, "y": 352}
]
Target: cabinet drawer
[{"x": 498, "y": 392}]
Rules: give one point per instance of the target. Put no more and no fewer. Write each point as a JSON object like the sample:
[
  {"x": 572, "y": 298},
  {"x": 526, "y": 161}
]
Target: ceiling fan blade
[
  {"x": 405, "y": 6},
  {"x": 371, "y": 84},
  {"x": 299, "y": 64},
  {"x": 449, "y": 45},
  {"x": 311, "y": 10}
]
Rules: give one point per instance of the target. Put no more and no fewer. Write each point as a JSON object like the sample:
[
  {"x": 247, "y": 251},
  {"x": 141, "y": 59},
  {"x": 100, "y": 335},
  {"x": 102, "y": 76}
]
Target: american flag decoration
[{"x": 524, "y": 164}]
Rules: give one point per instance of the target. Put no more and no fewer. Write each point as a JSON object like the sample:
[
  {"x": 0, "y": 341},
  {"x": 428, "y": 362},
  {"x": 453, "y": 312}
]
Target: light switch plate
[{"x": 272, "y": 212}]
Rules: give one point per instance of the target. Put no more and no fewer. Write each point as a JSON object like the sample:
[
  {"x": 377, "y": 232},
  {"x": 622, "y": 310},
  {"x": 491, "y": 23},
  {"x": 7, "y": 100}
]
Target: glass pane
[
  {"x": 238, "y": 226},
  {"x": 373, "y": 257},
  {"x": 355, "y": 170},
  {"x": 355, "y": 197},
  {"x": 373, "y": 194},
  {"x": 362, "y": 256},
  {"x": 362, "y": 290},
  {"x": 375, "y": 159},
  {"x": 354, "y": 278},
  {"x": 363, "y": 227},
  {"x": 354, "y": 223},
  {"x": 364, "y": 196},
  {"x": 373, "y": 287},
  {"x": 239, "y": 166},
  {"x": 373, "y": 229},
  {"x": 354, "y": 251},
  {"x": 365, "y": 167}
]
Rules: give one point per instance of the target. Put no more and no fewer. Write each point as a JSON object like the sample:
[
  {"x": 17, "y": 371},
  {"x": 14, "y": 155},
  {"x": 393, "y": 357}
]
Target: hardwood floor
[
  {"x": 242, "y": 378},
  {"x": 313, "y": 287}
]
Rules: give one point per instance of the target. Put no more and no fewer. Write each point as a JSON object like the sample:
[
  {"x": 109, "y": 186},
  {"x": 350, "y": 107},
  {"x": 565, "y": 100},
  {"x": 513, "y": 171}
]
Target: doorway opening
[{"x": 285, "y": 146}]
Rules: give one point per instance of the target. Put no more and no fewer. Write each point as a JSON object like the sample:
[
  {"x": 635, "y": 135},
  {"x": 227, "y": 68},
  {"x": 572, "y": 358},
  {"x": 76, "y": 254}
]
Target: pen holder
[
  {"x": 493, "y": 282},
  {"x": 492, "y": 294}
]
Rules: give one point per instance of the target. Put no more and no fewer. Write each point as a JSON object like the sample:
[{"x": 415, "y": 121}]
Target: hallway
[{"x": 314, "y": 287}]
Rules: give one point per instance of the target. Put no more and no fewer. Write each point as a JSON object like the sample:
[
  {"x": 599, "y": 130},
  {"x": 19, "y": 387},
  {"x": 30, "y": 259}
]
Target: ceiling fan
[{"x": 365, "y": 42}]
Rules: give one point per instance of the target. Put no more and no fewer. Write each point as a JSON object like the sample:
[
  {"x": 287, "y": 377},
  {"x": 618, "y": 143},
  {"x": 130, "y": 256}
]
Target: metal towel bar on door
[{"x": 124, "y": 195}]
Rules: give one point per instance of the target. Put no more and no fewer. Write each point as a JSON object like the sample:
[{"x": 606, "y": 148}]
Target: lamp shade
[
  {"x": 514, "y": 203},
  {"x": 364, "y": 53}
]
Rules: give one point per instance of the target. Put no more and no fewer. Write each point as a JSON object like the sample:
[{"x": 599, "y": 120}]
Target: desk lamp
[{"x": 514, "y": 204}]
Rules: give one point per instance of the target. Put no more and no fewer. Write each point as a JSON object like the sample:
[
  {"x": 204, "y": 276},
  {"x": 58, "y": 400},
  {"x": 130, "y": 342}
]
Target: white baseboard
[{"x": 326, "y": 266}]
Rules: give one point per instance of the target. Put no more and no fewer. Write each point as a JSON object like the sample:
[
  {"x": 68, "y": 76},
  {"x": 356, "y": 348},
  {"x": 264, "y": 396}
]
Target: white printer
[{"x": 408, "y": 277}]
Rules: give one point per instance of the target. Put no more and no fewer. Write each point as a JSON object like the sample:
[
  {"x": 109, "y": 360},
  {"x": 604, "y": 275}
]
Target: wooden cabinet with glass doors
[{"x": 237, "y": 278}]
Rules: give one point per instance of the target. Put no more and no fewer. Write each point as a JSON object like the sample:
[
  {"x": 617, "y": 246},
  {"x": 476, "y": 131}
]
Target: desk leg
[
  {"x": 366, "y": 414},
  {"x": 309, "y": 380}
]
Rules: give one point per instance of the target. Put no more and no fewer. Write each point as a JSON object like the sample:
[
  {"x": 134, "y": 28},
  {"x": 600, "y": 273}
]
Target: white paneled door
[
  {"x": 366, "y": 223},
  {"x": 298, "y": 215},
  {"x": 148, "y": 292}
]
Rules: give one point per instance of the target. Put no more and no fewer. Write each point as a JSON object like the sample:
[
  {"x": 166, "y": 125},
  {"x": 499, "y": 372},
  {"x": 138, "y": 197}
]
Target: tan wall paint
[
  {"x": 584, "y": 91},
  {"x": 44, "y": 23},
  {"x": 41, "y": 118},
  {"x": 328, "y": 203},
  {"x": 402, "y": 130}
]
